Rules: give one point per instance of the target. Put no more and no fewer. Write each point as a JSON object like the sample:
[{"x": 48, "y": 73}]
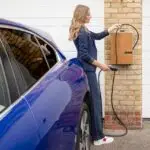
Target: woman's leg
[{"x": 96, "y": 107}]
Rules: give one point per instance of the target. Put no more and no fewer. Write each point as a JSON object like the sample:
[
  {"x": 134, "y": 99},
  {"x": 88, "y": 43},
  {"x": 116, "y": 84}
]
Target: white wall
[
  {"x": 53, "y": 16},
  {"x": 146, "y": 59}
]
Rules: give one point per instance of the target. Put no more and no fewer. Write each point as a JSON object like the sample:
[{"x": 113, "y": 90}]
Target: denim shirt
[{"x": 86, "y": 48}]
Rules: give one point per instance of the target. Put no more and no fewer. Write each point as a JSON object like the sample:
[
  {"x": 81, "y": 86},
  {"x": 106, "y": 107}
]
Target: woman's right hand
[
  {"x": 113, "y": 27},
  {"x": 104, "y": 67}
]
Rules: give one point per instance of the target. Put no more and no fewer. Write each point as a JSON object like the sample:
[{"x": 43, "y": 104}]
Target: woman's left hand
[{"x": 113, "y": 27}]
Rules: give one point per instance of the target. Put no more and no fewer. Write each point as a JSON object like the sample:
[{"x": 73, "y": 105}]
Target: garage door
[
  {"x": 146, "y": 59},
  {"x": 54, "y": 16}
]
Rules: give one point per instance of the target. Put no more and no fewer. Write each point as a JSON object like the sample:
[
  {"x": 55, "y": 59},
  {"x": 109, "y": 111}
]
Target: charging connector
[{"x": 113, "y": 67}]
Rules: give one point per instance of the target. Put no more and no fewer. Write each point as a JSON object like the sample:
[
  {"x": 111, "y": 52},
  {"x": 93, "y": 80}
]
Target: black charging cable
[{"x": 114, "y": 69}]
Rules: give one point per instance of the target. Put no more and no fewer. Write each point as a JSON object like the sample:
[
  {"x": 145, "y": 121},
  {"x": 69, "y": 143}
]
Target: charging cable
[{"x": 114, "y": 69}]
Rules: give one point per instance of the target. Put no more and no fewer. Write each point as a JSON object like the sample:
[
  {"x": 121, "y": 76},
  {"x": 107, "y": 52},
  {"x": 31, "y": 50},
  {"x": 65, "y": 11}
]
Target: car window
[
  {"x": 47, "y": 51},
  {"x": 29, "y": 56},
  {"x": 4, "y": 91},
  {"x": 5, "y": 94},
  {"x": 6, "y": 70}
]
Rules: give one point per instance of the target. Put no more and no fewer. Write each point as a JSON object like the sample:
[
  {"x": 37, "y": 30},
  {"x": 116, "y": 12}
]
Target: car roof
[{"x": 42, "y": 34}]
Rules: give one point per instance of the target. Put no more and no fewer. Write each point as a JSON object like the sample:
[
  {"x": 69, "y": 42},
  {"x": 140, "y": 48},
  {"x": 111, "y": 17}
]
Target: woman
[{"x": 84, "y": 41}]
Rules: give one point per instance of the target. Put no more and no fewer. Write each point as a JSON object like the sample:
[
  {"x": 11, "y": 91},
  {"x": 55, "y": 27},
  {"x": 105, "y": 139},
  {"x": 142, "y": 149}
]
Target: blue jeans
[{"x": 95, "y": 107}]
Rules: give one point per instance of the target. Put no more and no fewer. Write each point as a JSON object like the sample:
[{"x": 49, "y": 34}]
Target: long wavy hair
[{"x": 78, "y": 20}]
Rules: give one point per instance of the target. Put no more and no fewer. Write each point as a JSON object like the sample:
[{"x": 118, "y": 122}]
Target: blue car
[{"x": 44, "y": 98}]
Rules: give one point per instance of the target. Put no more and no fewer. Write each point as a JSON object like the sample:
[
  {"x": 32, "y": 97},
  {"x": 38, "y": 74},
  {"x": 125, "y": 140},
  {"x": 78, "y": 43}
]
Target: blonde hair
[{"x": 78, "y": 20}]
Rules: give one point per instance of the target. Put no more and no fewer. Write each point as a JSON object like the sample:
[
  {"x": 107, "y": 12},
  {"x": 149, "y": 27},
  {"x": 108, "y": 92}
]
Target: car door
[
  {"x": 18, "y": 128},
  {"x": 55, "y": 101}
]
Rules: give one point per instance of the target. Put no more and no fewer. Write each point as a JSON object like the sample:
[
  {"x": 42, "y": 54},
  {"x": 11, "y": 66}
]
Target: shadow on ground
[{"x": 134, "y": 140}]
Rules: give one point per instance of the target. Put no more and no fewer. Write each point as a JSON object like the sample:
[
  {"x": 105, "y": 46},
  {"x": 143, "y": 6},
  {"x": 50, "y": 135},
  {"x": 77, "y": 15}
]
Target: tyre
[{"x": 83, "y": 141}]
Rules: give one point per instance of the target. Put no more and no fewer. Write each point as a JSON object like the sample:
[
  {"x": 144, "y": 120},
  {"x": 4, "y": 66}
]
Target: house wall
[{"x": 127, "y": 95}]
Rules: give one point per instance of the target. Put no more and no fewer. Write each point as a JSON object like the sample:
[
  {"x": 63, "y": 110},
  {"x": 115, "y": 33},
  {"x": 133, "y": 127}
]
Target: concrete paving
[{"x": 134, "y": 140}]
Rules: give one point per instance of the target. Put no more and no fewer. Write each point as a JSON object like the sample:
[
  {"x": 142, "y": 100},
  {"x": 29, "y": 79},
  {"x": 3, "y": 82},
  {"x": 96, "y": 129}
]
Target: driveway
[{"x": 135, "y": 140}]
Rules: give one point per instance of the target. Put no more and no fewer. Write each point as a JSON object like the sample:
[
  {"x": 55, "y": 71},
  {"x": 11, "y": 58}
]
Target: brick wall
[{"x": 128, "y": 83}]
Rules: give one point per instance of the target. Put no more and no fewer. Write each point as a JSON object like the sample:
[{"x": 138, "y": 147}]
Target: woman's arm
[
  {"x": 83, "y": 47},
  {"x": 83, "y": 52},
  {"x": 99, "y": 36}
]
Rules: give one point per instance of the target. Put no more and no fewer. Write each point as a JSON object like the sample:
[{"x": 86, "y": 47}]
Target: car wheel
[{"x": 83, "y": 135}]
